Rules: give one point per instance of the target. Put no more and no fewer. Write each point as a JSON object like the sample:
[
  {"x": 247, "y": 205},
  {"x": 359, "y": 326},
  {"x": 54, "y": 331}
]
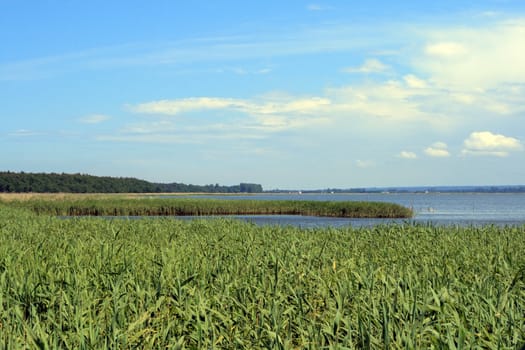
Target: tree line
[{"x": 83, "y": 183}]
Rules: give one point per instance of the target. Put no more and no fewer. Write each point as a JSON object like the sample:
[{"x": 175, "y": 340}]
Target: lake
[{"x": 462, "y": 209}]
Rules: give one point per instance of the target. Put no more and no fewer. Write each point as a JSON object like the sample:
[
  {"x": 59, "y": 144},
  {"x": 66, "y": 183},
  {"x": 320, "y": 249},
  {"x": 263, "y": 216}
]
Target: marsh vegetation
[
  {"x": 142, "y": 206},
  {"x": 92, "y": 283}
]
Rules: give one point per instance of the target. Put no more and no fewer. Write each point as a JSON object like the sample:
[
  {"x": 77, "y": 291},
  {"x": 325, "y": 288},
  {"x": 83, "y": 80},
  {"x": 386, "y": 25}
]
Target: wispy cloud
[
  {"x": 275, "y": 106},
  {"x": 490, "y": 144},
  {"x": 174, "y": 107},
  {"x": 244, "y": 71},
  {"x": 24, "y": 133},
  {"x": 178, "y": 137},
  {"x": 191, "y": 120},
  {"x": 258, "y": 43},
  {"x": 447, "y": 77},
  {"x": 365, "y": 164},
  {"x": 483, "y": 55},
  {"x": 318, "y": 7},
  {"x": 371, "y": 106},
  {"x": 371, "y": 65},
  {"x": 60, "y": 63},
  {"x": 94, "y": 119}
]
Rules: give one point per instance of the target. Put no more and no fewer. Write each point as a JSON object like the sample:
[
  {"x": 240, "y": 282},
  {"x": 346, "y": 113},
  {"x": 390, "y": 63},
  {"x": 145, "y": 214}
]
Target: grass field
[{"x": 93, "y": 283}]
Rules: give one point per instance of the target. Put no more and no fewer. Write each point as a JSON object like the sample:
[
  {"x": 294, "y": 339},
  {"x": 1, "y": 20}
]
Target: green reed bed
[
  {"x": 92, "y": 283},
  {"x": 201, "y": 207}
]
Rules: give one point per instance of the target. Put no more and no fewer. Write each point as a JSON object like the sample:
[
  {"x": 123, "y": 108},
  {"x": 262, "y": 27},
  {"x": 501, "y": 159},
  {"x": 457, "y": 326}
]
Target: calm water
[{"x": 438, "y": 208}]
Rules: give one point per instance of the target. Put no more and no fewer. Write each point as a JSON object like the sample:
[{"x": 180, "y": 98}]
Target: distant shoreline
[
  {"x": 414, "y": 189},
  {"x": 10, "y": 196}
]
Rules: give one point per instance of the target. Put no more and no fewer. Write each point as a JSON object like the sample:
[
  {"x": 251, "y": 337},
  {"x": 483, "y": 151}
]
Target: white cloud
[
  {"x": 174, "y": 107},
  {"x": 409, "y": 102},
  {"x": 414, "y": 82},
  {"x": 464, "y": 98},
  {"x": 501, "y": 154},
  {"x": 488, "y": 143},
  {"x": 436, "y": 152},
  {"x": 371, "y": 106},
  {"x": 437, "y": 149},
  {"x": 445, "y": 49},
  {"x": 369, "y": 66},
  {"x": 478, "y": 57},
  {"x": 407, "y": 155},
  {"x": 454, "y": 81},
  {"x": 378, "y": 104},
  {"x": 94, "y": 119},
  {"x": 178, "y": 106},
  {"x": 223, "y": 118}
]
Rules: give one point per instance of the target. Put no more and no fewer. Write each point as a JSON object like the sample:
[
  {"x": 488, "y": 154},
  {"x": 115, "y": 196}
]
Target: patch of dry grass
[{"x": 9, "y": 197}]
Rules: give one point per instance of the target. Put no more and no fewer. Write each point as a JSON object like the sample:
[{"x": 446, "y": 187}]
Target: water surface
[{"x": 462, "y": 209}]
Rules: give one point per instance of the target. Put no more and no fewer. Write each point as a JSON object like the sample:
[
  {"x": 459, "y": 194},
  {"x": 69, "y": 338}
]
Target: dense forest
[{"x": 81, "y": 183}]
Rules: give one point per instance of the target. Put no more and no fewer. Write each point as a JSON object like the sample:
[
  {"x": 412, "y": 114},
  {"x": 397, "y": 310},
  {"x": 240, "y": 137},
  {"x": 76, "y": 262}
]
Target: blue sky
[{"x": 288, "y": 94}]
